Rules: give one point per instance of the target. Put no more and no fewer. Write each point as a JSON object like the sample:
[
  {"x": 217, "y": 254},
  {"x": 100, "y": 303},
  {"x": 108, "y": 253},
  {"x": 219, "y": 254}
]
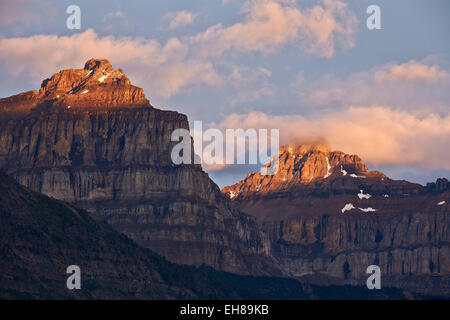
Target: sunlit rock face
[
  {"x": 98, "y": 84},
  {"x": 303, "y": 165}
]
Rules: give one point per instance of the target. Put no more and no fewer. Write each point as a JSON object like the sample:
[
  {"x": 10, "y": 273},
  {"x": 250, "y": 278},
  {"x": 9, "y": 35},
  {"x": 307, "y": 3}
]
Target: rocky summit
[
  {"x": 318, "y": 180},
  {"x": 98, "y": 84},
  {"x": 301, "y": 165}
]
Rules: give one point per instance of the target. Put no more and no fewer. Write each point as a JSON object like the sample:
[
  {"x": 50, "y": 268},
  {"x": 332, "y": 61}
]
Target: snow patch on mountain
[
  {"x": 363, "y": 195},
  {"x": 348, "y": 207},
  {"x": 328, "y": 168},
  {"x": 259, "y": 187},
  {"x": 369, "y": 209},
  {"x": 102, "y": 78}
]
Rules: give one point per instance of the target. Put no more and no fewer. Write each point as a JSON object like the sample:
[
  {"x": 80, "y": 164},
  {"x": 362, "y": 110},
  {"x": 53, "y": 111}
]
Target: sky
[{"x": 309, "y": 68}]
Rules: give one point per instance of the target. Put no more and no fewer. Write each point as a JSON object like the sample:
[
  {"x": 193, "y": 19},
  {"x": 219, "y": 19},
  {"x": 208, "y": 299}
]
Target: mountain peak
[
  {"x": 98, "y": 84},
  {"x": 305, "y": 146},
  {"x": 96, "y": 63},
  {"x": 304, "y": 164},
  {"x": 302, "y": 147},
  {"x": 308, "y": 162},
  {"x": 97, "y": 74}
]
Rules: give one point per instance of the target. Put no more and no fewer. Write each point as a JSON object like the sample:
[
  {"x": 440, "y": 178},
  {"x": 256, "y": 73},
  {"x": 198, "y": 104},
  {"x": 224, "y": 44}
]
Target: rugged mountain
[
  {"x": 327, "y": 218},
  {"x": 308, "y": 168},
  {"x": 96, "y": 85},
  {"x": 315, "y": 180},
  {"x": 41, "y": 236},
  {"x": 109, "y": 153}
]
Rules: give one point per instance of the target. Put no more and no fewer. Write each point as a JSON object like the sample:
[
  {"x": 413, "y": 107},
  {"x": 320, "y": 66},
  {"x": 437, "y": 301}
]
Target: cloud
[
  {"x": 179, "y": 19},
  {"x": 271, "y": 24},
  {"x": 163, "y": 69},
  {"x": 412, "y": 85},
  {"x": 379, "y": 134},
  {"x": 411, "y": 71}
]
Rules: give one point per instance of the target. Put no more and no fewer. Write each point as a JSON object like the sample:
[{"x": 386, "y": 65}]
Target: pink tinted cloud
[
  {"x": 412, "y": 85},
  {"x": 164, "y": 69},
  {"x": 271, "y": 24},
  {"x": 380, "y": 135},
  {"x": 412, "y": 71},
  {"x": 167, "y": 68}
]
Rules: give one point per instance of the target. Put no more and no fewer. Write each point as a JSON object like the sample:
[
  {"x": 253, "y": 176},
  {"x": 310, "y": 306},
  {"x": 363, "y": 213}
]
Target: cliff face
[
  {"x": 114, "y": 161},
  {"x": 412, "y": 249},
  {"x": 60, "y": 141},
  {"x": 328, "y": 218}
]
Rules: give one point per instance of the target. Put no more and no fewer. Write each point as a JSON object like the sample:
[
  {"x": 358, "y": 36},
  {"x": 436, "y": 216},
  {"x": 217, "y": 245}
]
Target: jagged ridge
[
  {"x": 97, "y": 85},
  {"x": 301, "y": 165}
]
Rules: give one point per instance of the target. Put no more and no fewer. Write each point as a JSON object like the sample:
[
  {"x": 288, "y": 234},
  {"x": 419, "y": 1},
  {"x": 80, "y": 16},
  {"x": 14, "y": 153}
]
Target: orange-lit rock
[{"x": 97, "y": 85}]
